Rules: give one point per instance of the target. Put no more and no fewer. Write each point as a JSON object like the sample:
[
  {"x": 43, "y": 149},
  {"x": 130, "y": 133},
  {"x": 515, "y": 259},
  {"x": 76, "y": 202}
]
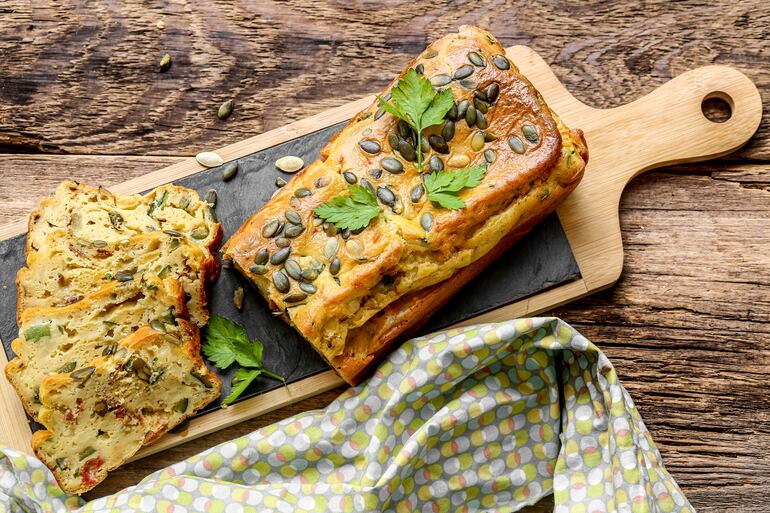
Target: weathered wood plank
[
  {"x": 687, "y": 326},
  {"x": 83, "y": 78}
]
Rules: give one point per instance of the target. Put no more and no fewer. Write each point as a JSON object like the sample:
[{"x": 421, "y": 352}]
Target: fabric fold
[{"x": 491, "y": 417}]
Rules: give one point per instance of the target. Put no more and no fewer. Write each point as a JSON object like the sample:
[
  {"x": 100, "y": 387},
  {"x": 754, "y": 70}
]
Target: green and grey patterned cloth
[{"x": 484, "y": 418}]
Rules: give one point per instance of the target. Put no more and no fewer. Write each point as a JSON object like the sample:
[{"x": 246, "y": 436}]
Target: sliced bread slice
[
  {"x": 98, "y": 416},
  {"x": 62, "y": 339},
  {"x": 65, "y": 270},
  {"x": 94, "y": 214}
]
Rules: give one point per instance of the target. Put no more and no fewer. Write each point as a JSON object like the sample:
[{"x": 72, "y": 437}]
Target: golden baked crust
[{"x": 395, "y": 272}]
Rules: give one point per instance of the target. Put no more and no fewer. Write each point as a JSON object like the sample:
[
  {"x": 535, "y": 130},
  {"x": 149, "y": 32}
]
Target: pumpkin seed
[
  {"x": 370, "y": 146},
  {"x": 123, "y": 276},
  {"x": 448, "y": 130},
  {"x": 116, "y": 220},
  {"x": 181, "y": 405},
  {"x": 173, "y": 233},
  {"x": 354, "y": 248},
  {"x": 375, "y": 173},
  {"x": 452, "y": 113},
  {"x": 366, "y": 183},
  {"x": 281, "y": 281},
  {"x": 438, "y": 144},
  {"x": 481, "y": 95},
  {"x": 481, "y": 120},
  {"x": 98, "y": 243},
  {"x": 406, "y": 150},
  {"x": 140, "y": 367},
  {"x": 88, "y": 451},
  {"x": 477, "y": 141},
  {"x": 292, "y": 268},
  {"x": 440, "y": 80},
  {"x": 211, "y": 197},
  {"x": 209, "y": 159},
  {"x": 516, "y": 144},
  {"x": 155, "y": 376},
  {"x": 490, "y": 156},
  {"x": 463, "y": 72},
  {"x": 501, "y": 62},
  {"x": 202, "y": 378},
  {"x": 279, "y": 182},
  {"x": 476, "y": 59},
  {"x": 258, "y": 269},
  {"x": 293, "y": 217},
  {"x": 331, "y": 247},
  {"x": 404, "y": 130},
  {"x": 100, "y": 408},
  {"x": 295, "y": 298},
  {"x": 302, "y": 192},
  {"x": 158, "y": 326},
  {"x": 293, "y": 230},
  {"x": 379, "y": 114},
  {"x": 271, "y": 228},
  {"x": 420, "y": 69},
  {"x": 238, "y": 298},
  {"x": 459, "y": 161},
  {"x": 417, "y": 192},
  {"x": 436, "y": 164},
  {"x": 467, "y": 83},
  {"x": 82, "y": 374},
  {"x": 426, "y": 221},
  {"x": 492, "y": 91},
  {"x": 289, "y": 164},
  {"x": 308, "y": 288},
  {"x": 462, "y": 108},
  {"x": 200, "y": 232},
  {"x": 393, "y": 140},
  {"x": 351, "y": 178},
  {"x": 334, "y": 266},
  {"x": 229, "y": 171},
  {"x": 322, "y": 182},
  {"x": 261, "y": 257},
  {"x": 282, "y": 242},
  {"x": 110, "y": 349},
  {"x": 391, "y": 165},
  {"x": 225, "y": 110},
  {"x": 386, "y": 96},
  {"x": 470, "y": 116},
  {"x": 67, "y": 367},
  {"x": 165, "y": 63},
  {"x": 530, "y": 133},
  {"x": 386, "y": 195},
  {"x": 280, "y": 256},
  {"x": 429, "y": 54},
  {"x": 309, "y": 274},
  {"x": 490, "y": 136},
  {"x": 480, "y": 105}
]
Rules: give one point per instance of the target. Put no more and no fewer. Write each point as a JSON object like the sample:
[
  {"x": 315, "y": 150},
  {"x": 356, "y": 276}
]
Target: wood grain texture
[
  {"x": 98, "y": 62},
  {"x": 687, "y": 324}
]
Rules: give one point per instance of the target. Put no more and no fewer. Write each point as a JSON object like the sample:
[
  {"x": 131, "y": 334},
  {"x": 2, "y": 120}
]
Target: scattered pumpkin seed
[
  {"x": 282, "y": 242},
  {"x": 279, "y": 182},
  {"x": 280, "y": 256},
  {"x": 200, "y": 232},
  {"x": 271, "y": 228},
  {"x": 202, "y": 378},
  {"x": 386, "y": 195},
  {"x": 490, "y": 156},
  {"x": 354, "y": 248},
  {"x": 225, "y": 110},
  {"x": 238, "y": 298},
  {"x": 289, "y": 164},
  {"x": 181, "y": 405},
  {"x": 258, "y": 269},
  {"x": 158, "y": 326},
  {"x": 67, "y": 367},
  {"x": 82, "y": 374},
  {"x": 309, "y": 274},
  {"x": 429, "y": 54},
  {"x": 501, "y": 62},
  {"x": 470, "y": 115},
  {"x": 123, "y": 276},
  {"x": 293, "y": 230},
  {"x": 209, "y": 159},
  {"x": 295, "y": 298},
  {"x": 293, "y": 217},
  {"x": 391, "y": 165},
  {"x": 440, "y": 80},
  {"x": 365, "y": 183},
  {"x": 479, "y": 94},
  {"x": 530, "y": 134},
  {"x": 308, "y": 288},
  {"x": 375, "y": 173},
  {"x": 417, "y": 193},
  {"x": 492, "y": 91},
  {"x": 463, "y": 72},
  {"x": 351, "y": 178},
  {"x": 88, "y": 451},
  {"x": 481, "y": 105},
  {"x": 261, "y": 257},
  {"x": 98, "y": 243},
  {"x": 462, "y": 108},
  {"x": 330, "y": 247},
  {"x": 302, "y": 192},
  {"x": 477, "y": 140},
  {"x": 448, "y": 130},
  {"x": 467, "y": 83},
  {"x": 292, "y": 268},
  {"x": 334, "y": 266},
  {"x": 229, "y": 172},
  {"x": 426, "y": 221},
  {"x": 110, "y": 349},
  {"x": 420, "y": 68},
  {"x": 436, "y": 164},
  {"x": 459, "y": 161},
  {"x": 481, "y": 120},
  {"x": 438, "y": 144},
  {"x": 490, "y": 136},
  {"x": 379, "y": 114},
  {"x": 452, "y": 113},
  {"x": 516, "y": 144},
  {"x": 281, "y": 281},
  {"x": 370, "y": 146},
  {"x": 211, "y": 197},
  {"x": 165, "y": 63},
  {"x": 476, "y": 59}
]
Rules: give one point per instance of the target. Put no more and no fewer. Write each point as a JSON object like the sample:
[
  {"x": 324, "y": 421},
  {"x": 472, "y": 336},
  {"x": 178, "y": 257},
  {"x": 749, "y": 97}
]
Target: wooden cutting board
[{"x": 664, "y": 127}]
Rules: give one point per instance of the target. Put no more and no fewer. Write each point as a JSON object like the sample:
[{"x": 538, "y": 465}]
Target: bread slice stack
[{"x": 109, "y": 309}]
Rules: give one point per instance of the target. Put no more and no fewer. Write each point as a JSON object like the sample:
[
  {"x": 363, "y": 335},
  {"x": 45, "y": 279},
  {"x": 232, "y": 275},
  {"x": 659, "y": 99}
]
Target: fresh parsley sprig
[
  {"x": 414, "y": 100},
  {"x": 443, "y": 187},
  {"x": 352, "y": 212},
  {"x": 227, "y": 343}
]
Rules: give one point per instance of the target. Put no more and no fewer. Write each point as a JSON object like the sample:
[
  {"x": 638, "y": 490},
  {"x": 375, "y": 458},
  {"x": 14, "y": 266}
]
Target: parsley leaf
[
  {"x": 414, "y": 100},
  {"x": 352, "y": 212},
  {"x": 443, "y": 187},
  {"x": 227, "y": 343}
]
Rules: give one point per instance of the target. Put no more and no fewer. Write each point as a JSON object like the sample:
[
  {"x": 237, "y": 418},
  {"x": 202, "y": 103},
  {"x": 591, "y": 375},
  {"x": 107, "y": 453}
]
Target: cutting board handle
[{"x": 667, "y": 126}]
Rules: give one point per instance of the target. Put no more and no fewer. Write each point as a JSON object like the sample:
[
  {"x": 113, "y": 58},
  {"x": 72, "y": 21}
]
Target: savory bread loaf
[
  {"x": 64, "y": 270},
  {"x": 61, "y": 339},
  {"x": 99, "y": 415},
  {"x": 353, "y": 294},
  {"x": 94, "y": 214}
]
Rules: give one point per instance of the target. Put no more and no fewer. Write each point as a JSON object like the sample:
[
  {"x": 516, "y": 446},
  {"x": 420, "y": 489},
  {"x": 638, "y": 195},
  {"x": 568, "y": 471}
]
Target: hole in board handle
[{"x": 717, "y": 107}]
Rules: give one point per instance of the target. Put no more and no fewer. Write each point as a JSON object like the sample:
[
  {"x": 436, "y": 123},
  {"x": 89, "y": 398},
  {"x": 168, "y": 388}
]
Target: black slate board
[{"x": 539, "y": 261}]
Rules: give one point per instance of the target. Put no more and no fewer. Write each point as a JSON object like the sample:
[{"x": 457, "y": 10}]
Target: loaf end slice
[{"x": 100, "y": 415}]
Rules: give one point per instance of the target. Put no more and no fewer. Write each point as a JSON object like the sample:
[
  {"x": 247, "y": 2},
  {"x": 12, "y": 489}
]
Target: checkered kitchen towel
[{"x": 484, "y": 418}]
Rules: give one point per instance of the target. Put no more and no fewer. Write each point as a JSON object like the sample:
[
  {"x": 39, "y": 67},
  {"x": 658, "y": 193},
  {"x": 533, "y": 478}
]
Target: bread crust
[{"x": 401, "y": 259}]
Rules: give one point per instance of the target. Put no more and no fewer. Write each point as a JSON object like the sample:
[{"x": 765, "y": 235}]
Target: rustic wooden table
[{"x": 687, "y": 326}]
